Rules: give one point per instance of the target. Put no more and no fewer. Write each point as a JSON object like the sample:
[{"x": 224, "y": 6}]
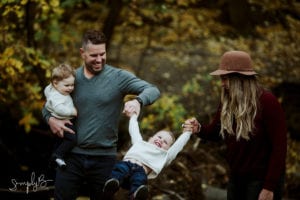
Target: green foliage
[
  {"x": 24, "y": 25},
  {"x": 198, "y": 92},
  {"x": 166, "y": 113},
  {"x": 29, "y": 21},
  {"x": 163, "y": 25},
  {"x": 293, "y": 158},
  {"x": 20, "y": 82},
  {"x": 73, "y": 3},
  {"x": 187, "y": 36}
]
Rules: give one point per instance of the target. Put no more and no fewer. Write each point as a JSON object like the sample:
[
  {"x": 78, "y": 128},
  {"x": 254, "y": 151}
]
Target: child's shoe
[
  {"x": 111, "y": 186},
  {"x": 141, "y": 193},
  {"x": 61, "y": 163}
]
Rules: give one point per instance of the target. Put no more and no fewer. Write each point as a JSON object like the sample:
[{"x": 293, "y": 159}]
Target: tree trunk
[
  {"x": 111, "y": 20},
  {"x": 239, "y": 15}
]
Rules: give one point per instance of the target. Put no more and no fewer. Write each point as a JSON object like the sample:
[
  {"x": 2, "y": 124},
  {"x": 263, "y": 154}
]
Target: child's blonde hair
[
  {"x": 170, "y": 133},
  {"x": 61, "y": 72}
]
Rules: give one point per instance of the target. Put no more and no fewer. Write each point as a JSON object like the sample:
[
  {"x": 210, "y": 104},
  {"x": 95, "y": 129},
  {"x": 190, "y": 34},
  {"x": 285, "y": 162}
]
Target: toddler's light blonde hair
[{"x": 61, "y": 72}]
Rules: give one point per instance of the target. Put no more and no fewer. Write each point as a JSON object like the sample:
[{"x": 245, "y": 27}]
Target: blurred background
[{"x": 173, "y": 44}]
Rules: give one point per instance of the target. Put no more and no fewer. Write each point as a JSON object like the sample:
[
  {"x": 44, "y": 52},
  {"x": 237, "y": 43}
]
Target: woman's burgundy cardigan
[{"x": 263, "y": 156}]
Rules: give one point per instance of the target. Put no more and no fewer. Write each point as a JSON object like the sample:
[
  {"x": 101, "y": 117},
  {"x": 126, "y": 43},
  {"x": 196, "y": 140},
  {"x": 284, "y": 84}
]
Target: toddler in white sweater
[
  {"x": 145, "y": 159},
  {"x": 60, "y": 104}
]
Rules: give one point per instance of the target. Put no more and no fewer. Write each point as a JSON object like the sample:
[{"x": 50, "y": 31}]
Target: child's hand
[
  {"x": 187, "y": 129},
  {"x": 132, "y": 107},
  {"x": 192, "y": 125}
]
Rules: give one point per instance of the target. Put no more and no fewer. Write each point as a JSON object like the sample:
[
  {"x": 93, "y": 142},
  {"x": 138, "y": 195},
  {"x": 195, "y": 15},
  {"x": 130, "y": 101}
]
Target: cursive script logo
[{"x": 34, "y": 184}]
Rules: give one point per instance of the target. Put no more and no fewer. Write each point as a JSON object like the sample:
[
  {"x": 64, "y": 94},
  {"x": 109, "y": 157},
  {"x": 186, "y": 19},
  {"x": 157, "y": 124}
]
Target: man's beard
[{"x": 91, "y": 70}]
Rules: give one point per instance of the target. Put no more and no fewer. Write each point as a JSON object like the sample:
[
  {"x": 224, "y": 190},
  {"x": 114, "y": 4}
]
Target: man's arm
[
  {"x": 131, "y": 84},
  {"x": 46, "y": 114},
  {"x": 146, "y": 92}
]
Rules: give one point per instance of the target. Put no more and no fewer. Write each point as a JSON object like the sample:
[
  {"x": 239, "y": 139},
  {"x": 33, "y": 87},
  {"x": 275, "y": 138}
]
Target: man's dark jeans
[{"x": 92, "y": 170}]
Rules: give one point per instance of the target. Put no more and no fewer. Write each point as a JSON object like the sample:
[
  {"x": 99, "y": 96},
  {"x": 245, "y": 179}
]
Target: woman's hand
[
  {"x": 266, "y": 195},
  {"x": 192, "y": 125}
]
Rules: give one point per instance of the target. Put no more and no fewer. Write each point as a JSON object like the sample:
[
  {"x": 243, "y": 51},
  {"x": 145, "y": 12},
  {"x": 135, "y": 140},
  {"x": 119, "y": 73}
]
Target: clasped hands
[
  {"x": 131, "y": 107},
  {"x": 191, "y": 125}
]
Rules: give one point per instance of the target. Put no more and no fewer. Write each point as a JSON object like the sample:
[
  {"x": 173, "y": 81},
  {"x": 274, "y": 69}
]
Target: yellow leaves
[
  {"x": 9, "y": 66},
  {"x": 27, "y": 121},
  {"x": 293, "y": 158},
  {"x": 49, "y": 7},
  {"x": 33, "y": 102},
  {"x": 269, "y": 5},
  {"x": 54, "y": 3},
  {"x": 191, "y": 86},
  {"x": 20, "y": 70},
  {"x": 169, "y": 36},
  {"x": 18, "y": 65},
  {"x": 281, "y": 52},
  {"x": 24, "y": 2},
  {"x": 184, "y": 3},
  {"x": 13, "y": 8},
  {"x": 10, "y": 71},
  {"x": 8, "y": 52}
]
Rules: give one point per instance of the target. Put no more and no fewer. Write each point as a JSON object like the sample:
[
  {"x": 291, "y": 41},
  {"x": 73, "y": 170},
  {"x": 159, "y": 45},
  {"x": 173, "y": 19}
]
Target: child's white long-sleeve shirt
[
  {"x": 150, "y": 155},
  {"x": 59, "y": 105}
]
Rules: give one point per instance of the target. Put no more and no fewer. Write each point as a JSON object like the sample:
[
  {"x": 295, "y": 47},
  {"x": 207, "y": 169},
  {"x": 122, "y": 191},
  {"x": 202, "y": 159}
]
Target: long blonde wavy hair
[{"x": 239, "y": 105}]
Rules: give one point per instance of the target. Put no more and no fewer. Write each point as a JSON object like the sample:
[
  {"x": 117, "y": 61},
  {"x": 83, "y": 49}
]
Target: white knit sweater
[
  {"x": 150, "y": 155},
  {"x": 59, "y": 105}
]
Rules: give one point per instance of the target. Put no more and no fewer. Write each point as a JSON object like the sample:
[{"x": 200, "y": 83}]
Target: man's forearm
[{"x": 46, "y": 114}]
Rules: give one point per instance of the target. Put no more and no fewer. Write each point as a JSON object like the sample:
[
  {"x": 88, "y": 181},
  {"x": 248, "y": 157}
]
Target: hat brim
[{"x": 224, "y": 72}]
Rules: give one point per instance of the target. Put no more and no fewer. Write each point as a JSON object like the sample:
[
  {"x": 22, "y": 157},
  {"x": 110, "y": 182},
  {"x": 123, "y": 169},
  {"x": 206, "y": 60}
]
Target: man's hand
[
  {"x": 132, "y": 107},
  {"x": 58, "y": 127}
]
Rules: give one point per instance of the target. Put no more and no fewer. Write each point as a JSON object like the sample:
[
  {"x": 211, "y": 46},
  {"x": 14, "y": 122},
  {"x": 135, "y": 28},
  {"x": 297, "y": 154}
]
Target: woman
[{"x": 251, "y": 122}]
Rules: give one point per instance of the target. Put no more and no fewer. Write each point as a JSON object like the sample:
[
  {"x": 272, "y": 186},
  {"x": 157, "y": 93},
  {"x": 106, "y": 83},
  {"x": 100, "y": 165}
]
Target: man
[{"x": 98, "y": 97}]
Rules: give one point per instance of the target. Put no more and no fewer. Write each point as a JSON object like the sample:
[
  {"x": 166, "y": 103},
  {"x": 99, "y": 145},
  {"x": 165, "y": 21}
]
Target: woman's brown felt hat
[{"x": 235, "y": 62}]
